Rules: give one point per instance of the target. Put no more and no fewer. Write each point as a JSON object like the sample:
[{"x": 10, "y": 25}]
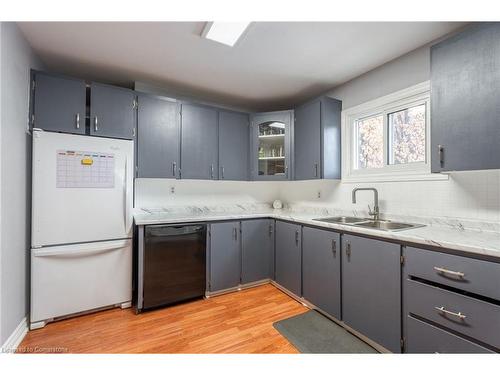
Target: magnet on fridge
[{"x": 87, "y": 161}]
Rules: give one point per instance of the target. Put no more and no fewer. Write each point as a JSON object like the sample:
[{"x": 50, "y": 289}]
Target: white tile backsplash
[{"x": 471, "y": 196}]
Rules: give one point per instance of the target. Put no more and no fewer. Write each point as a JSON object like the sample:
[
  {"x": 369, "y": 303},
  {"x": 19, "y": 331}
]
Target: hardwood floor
[{"x": 239, "y": 322}]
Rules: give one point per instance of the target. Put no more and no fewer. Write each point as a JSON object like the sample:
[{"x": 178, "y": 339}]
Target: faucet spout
[{"x": 375, "y": 212}]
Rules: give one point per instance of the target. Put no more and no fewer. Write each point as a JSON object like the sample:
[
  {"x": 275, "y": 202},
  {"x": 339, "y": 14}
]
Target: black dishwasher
[{"x": 174, "y": 263}]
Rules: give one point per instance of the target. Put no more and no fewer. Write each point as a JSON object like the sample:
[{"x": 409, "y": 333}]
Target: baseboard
[{"x": 10, "y": 345}]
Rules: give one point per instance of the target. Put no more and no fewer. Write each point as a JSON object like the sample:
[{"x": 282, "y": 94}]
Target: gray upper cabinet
[
  {"x": 317, "y": 139},
  {"x": 158, "y": 140},
  {"x": 465, "y": 97},
  {"x": 234, "y": 145},
  {"x": 225, "y": 258},
  {"x": 199, "y": 142},
  {"x": 371, "y": 289},
  {"x": 59, "y": 103},
  {"x": 321, "y": 269},
  {"x": 112, "y": 111},
  {"x": 257, "y": 250},
  {"x": 288, "y": 267},
  {"x": 271, "y": 145}
]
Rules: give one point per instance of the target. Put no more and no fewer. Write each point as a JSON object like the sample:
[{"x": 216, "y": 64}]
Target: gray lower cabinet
[
  {"x": 158, "y": 140},
  {"x": 423, "y": 337},
  {"x": 112, "y": 111},
  {"x": 257, "y": 250},
  {"x": 234, "y": 143},
  {"x": 321, "y": 269},
  {"x": 317, "y": 139},
  {"x": 371, "y": 289},
  {"x": 288, "y": 266},
  {"x": 224, "y": 255},
  {"x": 465, "y": 79},
  {"x": 58, "y": 103},
  {"x": 199, "y": 142}
]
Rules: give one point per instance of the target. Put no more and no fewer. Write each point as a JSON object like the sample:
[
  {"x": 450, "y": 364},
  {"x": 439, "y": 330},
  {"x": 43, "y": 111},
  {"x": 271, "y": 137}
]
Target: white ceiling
[{"x": 274, "y": 65}]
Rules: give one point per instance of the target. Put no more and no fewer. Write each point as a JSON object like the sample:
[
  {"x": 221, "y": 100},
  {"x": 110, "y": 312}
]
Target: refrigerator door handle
[
  {"x": 126, "y": 196},
  {"x": 81, "y": 250}
]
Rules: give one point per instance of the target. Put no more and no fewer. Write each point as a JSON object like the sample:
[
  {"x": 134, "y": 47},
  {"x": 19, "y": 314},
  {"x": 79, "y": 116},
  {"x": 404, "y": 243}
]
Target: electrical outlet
[
  {"x": 319, "y": 194},
  {"x": 172, "y": 189}
]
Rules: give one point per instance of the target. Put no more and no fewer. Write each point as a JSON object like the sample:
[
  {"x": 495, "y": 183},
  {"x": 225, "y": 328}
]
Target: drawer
[
  {"x": 422, "y": 337},
  {"x": 478, "y": 319},
  {"x": 472, "y": 275}
]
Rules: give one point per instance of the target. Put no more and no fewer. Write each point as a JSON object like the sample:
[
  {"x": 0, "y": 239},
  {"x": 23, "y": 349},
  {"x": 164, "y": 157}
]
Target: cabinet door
[
  {"x": 225, "y": 260},
  {"x": 59, "y": 104},
  {"x": 321, "y": 269},
  {"x": 288, "y": 257},
  {"x": 465, "y": 78},
  {"x": 199, "y": 142},
  {"x": 257, "y": 250},
  {"x": 234, "y": 145},
  {"x": 307, "y": 128},
  {"x": 158, "y": 140},
  {"x": 271, "y": 145},
  {"x": 112, "y": 111},
  {"x": 371, "y": 289}
]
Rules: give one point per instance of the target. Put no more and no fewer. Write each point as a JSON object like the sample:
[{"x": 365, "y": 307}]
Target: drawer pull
[
  {"x": 444, "y": 311},
  {"x": 448, "y": 272}
]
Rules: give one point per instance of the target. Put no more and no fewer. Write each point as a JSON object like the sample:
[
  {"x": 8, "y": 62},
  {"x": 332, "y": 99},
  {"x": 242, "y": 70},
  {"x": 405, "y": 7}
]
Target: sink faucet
[{"x": 375, "y": 213}]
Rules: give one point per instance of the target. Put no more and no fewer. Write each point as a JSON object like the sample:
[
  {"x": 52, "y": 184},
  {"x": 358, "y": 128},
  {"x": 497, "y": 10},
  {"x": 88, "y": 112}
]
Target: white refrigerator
[{"x": 81, "y": 240}]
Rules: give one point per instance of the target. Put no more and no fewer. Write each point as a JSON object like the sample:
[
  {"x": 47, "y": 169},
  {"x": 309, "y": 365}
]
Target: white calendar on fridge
[{"x": 85, "y": 169}]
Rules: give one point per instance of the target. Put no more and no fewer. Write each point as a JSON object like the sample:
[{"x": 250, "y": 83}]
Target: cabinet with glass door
[{"x": 271, "y": 145}]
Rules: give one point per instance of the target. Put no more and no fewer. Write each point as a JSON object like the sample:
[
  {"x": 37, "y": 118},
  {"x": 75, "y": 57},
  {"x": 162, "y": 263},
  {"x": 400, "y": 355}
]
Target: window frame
[{"x": 397, "y": 101}]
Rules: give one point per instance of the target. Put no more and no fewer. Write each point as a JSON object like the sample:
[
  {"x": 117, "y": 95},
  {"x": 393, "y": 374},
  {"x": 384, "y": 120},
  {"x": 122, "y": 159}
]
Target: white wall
[{"x": 15, "y": 170}]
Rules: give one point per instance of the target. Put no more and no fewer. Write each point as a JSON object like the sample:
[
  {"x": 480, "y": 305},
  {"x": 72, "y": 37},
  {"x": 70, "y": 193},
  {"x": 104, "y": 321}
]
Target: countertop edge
[{"x": 396, "y": 236}]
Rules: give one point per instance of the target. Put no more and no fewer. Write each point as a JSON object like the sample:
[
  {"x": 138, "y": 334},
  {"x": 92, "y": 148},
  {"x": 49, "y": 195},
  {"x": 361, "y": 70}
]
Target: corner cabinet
[
  {"x": 317, "y": 139},
  {"x": 271, "y": 146},
  {"x": 465, "y": 97}
]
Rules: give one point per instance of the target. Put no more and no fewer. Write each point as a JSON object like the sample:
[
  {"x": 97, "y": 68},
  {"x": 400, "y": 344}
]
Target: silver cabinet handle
[
  {"x": 174, "y": 168},
  {"x": 297, "y": 237},
  {"x": 449, "y": 272},
  {"x": 78, "y": 121},
  {"x": 316, "y": 170},
  {"x": 348, "y": 250},
  {"x": 222, "y": 172},
  {"x": 270, "y": 229},
  {"x": 211, "y": 171},
  {"x": 235, "y": 233},
  {"x": 286, "y": 171},
  {"x": 441, "y": 155},
  {"x": 447, "y": 312},
  {"x": 95, "y": 124},
  {"x": 334, "y": 247}
]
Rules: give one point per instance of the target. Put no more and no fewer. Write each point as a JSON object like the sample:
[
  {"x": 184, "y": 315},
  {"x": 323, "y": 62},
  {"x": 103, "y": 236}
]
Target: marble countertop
[{"x": 474, "y": 241}]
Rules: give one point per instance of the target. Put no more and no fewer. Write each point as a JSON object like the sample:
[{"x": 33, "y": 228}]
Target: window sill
[{"x": 396, "y": 177}]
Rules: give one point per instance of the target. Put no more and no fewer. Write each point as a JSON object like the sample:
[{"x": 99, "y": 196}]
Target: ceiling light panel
[{"x": 226, "y": 33}]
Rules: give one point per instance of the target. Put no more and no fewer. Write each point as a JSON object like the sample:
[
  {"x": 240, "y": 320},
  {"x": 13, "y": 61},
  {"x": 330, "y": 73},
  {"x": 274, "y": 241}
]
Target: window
[{"x": 387, "y": 139}]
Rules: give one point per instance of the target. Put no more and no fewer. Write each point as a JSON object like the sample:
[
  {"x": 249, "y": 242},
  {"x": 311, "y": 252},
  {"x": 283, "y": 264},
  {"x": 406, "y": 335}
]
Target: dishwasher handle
[{"x": 173, "y": 230}]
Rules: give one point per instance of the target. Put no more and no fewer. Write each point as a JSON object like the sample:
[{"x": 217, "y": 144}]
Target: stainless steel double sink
[{"x": 385, "y": 225}]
